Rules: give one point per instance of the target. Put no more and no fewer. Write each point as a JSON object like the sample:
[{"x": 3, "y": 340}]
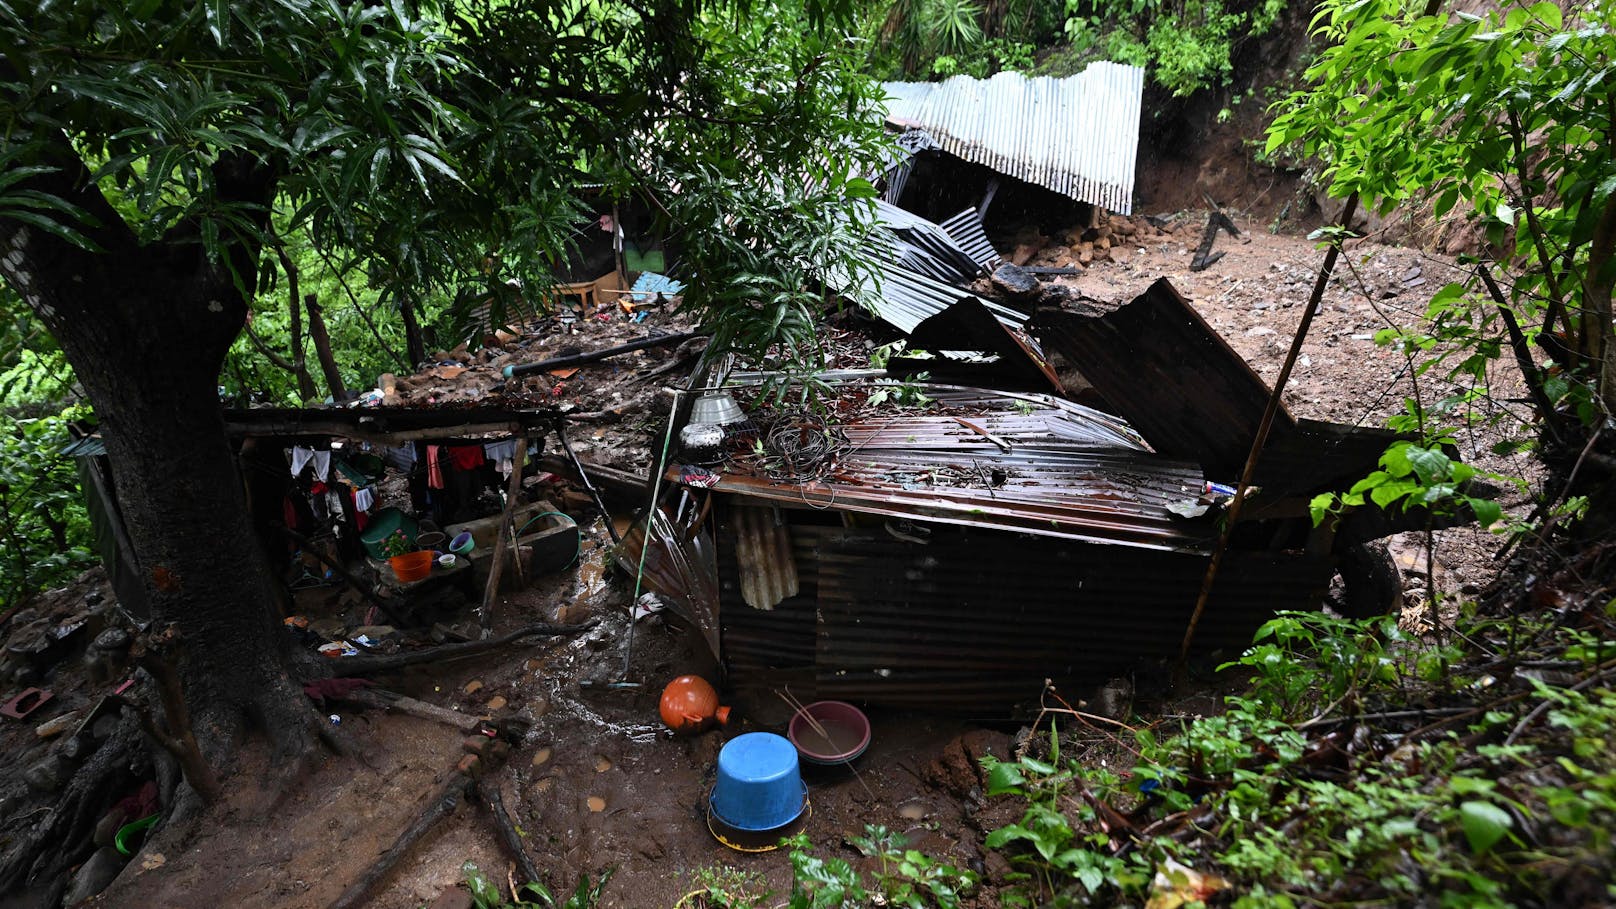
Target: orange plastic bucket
[{"x": 412, "y": 566}]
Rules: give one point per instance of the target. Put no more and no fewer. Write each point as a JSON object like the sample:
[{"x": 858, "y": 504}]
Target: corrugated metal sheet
[
  {"x": 1078, "y": 136},
  {"x": 763, "y": 548},
  {"x": 967, "y": 325},
  {"x": 1159, "y": 365},
  {"x": 967, "y": 230},
  {"x": 974, "y": 621},
  {"x": 905, "y": 298},
  {"x": 910, "y": 241},
  {"x": 87, "y": 447},
  {"x": 1069, "y": 473}
]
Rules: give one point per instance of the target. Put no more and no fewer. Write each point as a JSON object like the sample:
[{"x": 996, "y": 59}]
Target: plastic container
[
  {"x": 382, "y": 525},
  {"x": 689, "y": 704},
  {"x": 462, "y": 544},
  {"x": 430, "y": 539},
  {"x": 829, "y": 733},
  {"x": 412, "y": 566},
  {"x": 759, "y": 783}
]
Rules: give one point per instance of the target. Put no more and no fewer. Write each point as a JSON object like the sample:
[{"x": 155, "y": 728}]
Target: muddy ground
[{"x": 596, "y": 783}]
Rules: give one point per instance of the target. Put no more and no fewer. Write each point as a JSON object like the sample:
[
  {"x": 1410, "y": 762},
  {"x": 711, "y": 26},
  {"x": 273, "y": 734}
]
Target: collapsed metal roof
[
  {"x": 1024, "y": 462},
  {"x": 917, "y": 267},
  {"x": 1078, "y": 136}
]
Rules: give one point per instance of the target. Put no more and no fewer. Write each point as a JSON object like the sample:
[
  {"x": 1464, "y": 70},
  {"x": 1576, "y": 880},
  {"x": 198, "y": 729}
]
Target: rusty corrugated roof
[
  {"x": 1078, "y": 136},
  {"x": 1070, "y": 472}
]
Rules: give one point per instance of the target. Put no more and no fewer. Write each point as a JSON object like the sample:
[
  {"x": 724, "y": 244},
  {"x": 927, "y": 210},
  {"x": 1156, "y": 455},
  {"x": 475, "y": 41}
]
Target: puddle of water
[
  {"x": 541, "y": 757},
  {"x": 602, "y": 763},
  {"x": 544, "y": 785},
  {"x": 497, "y": 702},
  {"x": 596, "y": 803},
  {"x": 913, "y": 811},
  {"x": 473, "y": 686}
]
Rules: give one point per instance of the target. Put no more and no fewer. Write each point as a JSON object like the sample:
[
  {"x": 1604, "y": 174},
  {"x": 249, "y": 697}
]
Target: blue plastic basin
[{"x": 759, "y": 785}]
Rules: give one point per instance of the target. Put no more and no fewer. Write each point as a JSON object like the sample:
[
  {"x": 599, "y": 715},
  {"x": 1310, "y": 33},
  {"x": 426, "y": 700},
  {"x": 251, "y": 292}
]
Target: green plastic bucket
[{"x": 382, "y": 525}]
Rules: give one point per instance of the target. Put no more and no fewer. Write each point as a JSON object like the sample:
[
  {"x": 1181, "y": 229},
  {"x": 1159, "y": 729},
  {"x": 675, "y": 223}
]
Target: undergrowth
[{"x": 1359, "y": 765}]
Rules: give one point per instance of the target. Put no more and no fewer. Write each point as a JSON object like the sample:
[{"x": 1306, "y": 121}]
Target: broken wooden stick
[
  {"x": 485, "y": 611},
  {"x": 366, "y": 664}
]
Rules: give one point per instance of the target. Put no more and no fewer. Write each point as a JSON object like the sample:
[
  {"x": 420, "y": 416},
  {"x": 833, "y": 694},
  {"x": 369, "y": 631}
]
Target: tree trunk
[
  {"x": 413, "y": 341},
  {"x": 322, "y": 349},
  {"x": 146, "y": 329},
  {"x": 294, "y": 312}
]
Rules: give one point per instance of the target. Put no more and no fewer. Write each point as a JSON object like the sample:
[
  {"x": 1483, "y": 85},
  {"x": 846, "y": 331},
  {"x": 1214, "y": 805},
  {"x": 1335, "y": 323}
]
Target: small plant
[
  {"x": 485, "y": 893},
  {"x": 723, "y": 887},
  {"x": 911, "y": 878},
  {"x": 397, "y": 544},
  {"x": 902, "y": 394}
]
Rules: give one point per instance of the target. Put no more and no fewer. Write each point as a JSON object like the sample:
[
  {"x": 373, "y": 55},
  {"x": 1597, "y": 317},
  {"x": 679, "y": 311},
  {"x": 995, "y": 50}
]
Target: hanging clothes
[
  {"x": 364, "y": 498},
  {"x": 401, "y": 458},
  {"x": 466, "y": 457},
  {"x": 322, "y": 465},
  {"x": 300, "y": 458},
  {"x": 503, "y": 454},
  {"x": 434, "y": 467}
]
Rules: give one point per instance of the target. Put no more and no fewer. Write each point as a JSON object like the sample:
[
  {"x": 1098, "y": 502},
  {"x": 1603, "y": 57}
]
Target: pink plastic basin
[{"x": 829, "y": 732}]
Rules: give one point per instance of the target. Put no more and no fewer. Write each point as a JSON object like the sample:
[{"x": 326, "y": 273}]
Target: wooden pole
[{"x": 485, "y": 613}]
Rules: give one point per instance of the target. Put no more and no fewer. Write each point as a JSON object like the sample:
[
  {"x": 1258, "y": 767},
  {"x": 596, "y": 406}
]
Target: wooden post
[{"x": 484, "y": 613}]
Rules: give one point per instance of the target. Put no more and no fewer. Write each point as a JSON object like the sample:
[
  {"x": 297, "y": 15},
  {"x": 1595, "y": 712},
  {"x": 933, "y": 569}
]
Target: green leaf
[
  {"x": 1484, "y": 824},
  {"x": 1003, "y": 778}
]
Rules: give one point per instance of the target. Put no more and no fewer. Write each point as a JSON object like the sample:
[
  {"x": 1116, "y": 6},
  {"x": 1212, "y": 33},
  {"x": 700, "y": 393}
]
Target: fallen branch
[
  {"x": 495, "y": 803},
  {"x": 367, "y": 664}
]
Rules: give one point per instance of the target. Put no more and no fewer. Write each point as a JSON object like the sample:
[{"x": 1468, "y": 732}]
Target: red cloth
[
  {"x": 466, "y": 457},
  {"x": 434, "y": 470}
]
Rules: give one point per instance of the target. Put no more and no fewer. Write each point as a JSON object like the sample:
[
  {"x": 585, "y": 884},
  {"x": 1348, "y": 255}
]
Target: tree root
[
  {"x": 442, "y": 804},
  {"x": 39, "y": 862},
  {"x": 368, "y": 664},
  {"x": 494, "y": 803}
]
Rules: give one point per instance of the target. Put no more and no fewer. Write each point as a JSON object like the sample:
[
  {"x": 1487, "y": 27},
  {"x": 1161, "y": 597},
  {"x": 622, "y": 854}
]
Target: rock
[
  {"x": 1023, "y": 254},
  {"x": 1016, "y": 282},
  {"x": 1085, "y": 253},
  {"x": 113, "y": 639},
  {"x": 77, "y": 748},
  {"x": 106, "y": 725},
  {"x": 1114, "y": 699},
  {"x": 48, "y": 775},
  {"x": 1102, "y": 242},
  {"x": 94, "y": 876},
  {"x": 958, "y": 770}
]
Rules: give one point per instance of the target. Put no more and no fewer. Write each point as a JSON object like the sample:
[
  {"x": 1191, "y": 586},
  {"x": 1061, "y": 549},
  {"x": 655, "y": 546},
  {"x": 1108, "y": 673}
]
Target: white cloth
[
  {"x": 300, "y": 459},
  {"x": 322, "y": 465},
  {"x": 364, "y": 498}
]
